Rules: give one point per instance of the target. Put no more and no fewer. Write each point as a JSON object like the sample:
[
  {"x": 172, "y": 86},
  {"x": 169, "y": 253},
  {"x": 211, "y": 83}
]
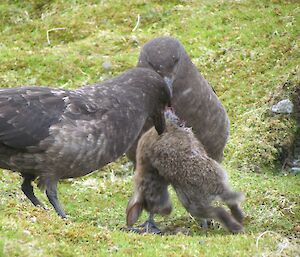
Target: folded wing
[{"x": 27, "y": 113}]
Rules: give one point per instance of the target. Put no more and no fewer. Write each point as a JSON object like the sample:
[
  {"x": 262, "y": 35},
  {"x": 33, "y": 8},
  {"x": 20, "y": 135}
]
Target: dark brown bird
[
  {"x": 194, "y": 100},
  {"x": 55, "y": 134},
  {"x": 176, "y": 157}
]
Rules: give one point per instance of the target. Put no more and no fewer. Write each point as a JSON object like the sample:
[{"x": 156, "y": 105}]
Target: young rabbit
[{"x": 176, "y": 157}]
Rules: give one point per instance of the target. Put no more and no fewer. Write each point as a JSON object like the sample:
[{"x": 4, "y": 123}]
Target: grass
[{"x": 249, "y": 52}]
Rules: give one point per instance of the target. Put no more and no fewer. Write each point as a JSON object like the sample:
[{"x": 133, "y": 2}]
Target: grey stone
[
  {"x": 284, "y": 106},
  {"x": 106, "y": 65},
  {"x": 295, "y": 170}
]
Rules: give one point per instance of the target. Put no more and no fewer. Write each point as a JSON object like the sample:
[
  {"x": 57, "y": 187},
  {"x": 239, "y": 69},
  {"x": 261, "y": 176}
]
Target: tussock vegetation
[{"x": 248, "y": 51}]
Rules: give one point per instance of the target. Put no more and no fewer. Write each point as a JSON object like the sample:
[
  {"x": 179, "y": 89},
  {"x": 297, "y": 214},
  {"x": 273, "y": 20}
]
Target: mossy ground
[{"x": 249, "y": 52}]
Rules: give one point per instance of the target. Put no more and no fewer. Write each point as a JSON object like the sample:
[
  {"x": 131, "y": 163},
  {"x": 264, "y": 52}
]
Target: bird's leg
[
  {"x": 51, "y": 192},
  {"x": 150, "y": 226},
  {"x": 28, "y": 189}
]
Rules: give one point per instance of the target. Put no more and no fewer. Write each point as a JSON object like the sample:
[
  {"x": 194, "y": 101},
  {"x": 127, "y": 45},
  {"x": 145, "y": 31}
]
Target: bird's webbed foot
[{"x": 150, "y": 227}]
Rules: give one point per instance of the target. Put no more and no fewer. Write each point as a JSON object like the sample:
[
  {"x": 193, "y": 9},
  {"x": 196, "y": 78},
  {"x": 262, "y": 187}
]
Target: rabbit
[{"x": 177, "y": 158}]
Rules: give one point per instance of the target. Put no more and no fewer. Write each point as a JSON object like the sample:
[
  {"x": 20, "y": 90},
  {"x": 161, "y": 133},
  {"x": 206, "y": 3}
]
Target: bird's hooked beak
[{"x": 169, "y": 82}]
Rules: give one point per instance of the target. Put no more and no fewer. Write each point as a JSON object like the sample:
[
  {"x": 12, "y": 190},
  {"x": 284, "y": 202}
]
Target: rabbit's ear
[{"x": 134, "y": 209}]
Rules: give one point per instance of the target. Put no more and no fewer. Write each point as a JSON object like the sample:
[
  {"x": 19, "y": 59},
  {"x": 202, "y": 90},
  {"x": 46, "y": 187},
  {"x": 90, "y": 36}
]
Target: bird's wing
[{"x": 27, "y": 113}]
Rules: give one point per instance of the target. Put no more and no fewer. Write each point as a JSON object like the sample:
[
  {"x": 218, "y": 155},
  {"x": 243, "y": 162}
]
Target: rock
[
  {"x": 284, "y": 106},
  {"x": 106, "y": 65},
  {"x": 295, "y": 170}
]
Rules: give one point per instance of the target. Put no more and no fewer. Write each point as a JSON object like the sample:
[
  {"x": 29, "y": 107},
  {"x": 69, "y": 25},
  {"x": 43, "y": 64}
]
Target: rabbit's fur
[{"x": 176, "y": 157}]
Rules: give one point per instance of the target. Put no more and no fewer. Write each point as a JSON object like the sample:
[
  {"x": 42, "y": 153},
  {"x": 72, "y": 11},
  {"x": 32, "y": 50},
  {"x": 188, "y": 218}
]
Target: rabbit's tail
[{"x": 232, "y": 198}]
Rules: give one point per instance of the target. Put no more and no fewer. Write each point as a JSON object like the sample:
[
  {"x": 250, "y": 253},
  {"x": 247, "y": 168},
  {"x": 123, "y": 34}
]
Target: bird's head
[{"x": 163, "y": 55}]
